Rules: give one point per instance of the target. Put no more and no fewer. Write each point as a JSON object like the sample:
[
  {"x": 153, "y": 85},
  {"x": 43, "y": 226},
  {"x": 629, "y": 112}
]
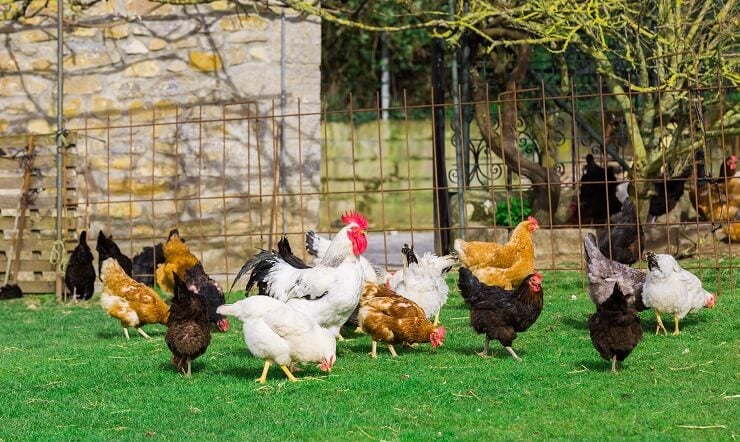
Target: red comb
[
  {"x": 537, "y": 277},
  {"x": 532, "y": 220},
  {"x": 351, "y": 216}
]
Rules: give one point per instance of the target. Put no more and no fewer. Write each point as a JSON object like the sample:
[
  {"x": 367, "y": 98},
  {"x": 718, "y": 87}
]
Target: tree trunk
[{"x": 545, "y": 181}]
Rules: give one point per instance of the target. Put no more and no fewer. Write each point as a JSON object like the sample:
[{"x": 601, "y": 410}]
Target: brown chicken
[
  {"x": 389, "y": 317},
  {"x": 501, "y": 265},
  {"x": 129, "y": 301},
  {"x": 178, "y": 259},
  {"x": 717, "y": 200},
  {"x": 188, "y": 331}
]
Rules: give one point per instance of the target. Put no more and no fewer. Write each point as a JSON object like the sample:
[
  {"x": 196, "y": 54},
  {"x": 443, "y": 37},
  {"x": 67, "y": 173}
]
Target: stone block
[
  {"x": 146, "y": 69},
  {"x": 38, "y": 126},
  {"x": 205, "y": 61},
  {"x": 238, "y": 22},
  {"x": 42, "y": 65},
  {"x": 101, "y": 105},
  {"x": 134, "y": 47},
  {"x": 177, "y": 66},
  {"x": 89, "y": 60},
  {"x": 157, "y": 44},
  {"x": 117, "y": 32},
  {"x": 82, "y": 84},
  {"x": 72, "y": 107}
]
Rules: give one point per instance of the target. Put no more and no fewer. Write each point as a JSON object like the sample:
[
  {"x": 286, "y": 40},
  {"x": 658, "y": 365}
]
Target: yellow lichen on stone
[{"x": 205, "y": 61}]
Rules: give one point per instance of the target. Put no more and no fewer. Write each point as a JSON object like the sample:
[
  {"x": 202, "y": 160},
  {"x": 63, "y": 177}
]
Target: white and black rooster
[
  {"x": 670, "y": 289},
  {"x": 327, "y": 293}
]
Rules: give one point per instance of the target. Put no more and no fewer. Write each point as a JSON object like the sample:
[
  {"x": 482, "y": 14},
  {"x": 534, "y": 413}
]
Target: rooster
[
  {"x": 79, "y": 276},
  {"x": 389, "y": 317},
  {"x": 317, "y": 246},
  {"x": 279, "y": 334},
  {"x": 615, "y": 328},
  {"x": 131, "y": 302},
  {"x": 328, "y": 292},
  {"x": 107, "y": 248},
  {"x": 188, "y": 331},
  {"x": 422, "y": 280},
  {"x": 671, "y": 289},
  {"x": 501, "y": 265},
  {"x": 499, "y": 313}
]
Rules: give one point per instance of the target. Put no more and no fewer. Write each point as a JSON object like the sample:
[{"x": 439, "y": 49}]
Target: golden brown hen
[
  {"x": 389, "y": 317},
  {"x": 178, "y": 259},
  {"x": 501, "y": 265},
  {"x": 717, "y": 200},
  {"x": 129, "y": 301}
]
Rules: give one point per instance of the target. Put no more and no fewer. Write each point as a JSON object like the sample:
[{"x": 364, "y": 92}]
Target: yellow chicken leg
[
  {"x": 660, "y": 324},
  {"x": 392, "y": 350},
  {"x": 374, "y": 350},
  {"x": 614, "y": 364},
  {"x": 287, "y": 372},
  {"x": 143, "y": 333},
  {"x": 676, "y": 331},
  {"x": 125, "y": 333},
  {"x": 513, "y": 354},
  {"x": 436, "y": 319},
  {"x": 262, "y": 379}
]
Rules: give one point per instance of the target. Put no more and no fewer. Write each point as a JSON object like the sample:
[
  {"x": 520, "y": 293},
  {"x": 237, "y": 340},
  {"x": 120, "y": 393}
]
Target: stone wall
[{"x": 178, "y": 114}]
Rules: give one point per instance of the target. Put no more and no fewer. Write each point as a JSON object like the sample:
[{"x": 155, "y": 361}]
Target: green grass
[{"x": 67, "y": 373}]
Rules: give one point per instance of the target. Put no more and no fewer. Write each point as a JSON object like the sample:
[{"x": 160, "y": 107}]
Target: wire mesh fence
[{"x": 235, "y": 178}]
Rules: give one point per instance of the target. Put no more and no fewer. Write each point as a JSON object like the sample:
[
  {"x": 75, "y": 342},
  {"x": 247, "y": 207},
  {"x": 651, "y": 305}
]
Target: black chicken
[
  {"x": 79, "y": 277},
  {"x": 665, "y": 195},
  {"x": 107, "y": 248},
  {"x": 188, "y": 331},
  {"x": 145, "y": 263},
  {"x": 198, "y": 280},
  {"x": 623, "y": 236},
  {"x": 597, "y": 187},
  {"x": 500, "y": 313},
  {"x": 615, "y": 328}
]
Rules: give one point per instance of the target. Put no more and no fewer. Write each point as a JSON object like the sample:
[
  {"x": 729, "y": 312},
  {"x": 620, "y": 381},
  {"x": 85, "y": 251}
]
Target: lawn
[{"x": 68, "y": 373}]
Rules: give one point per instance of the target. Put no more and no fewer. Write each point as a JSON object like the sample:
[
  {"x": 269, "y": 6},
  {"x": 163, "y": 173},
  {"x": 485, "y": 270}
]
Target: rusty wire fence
[{"x": 234, "y": 178}]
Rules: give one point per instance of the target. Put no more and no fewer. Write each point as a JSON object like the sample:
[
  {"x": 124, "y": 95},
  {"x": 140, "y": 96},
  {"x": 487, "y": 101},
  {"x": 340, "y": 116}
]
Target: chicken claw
[
  {"x": 484, "y": 353},
  {"x": 262, "y": 379},
  {"x": 287, "y": 372},
  {"x": 513, "y": 353},
  {"x": 660, "y": 325},
  {"x": 676, "y": 331}
]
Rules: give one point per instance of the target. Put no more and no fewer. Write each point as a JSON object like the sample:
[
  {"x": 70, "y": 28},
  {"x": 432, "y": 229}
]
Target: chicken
[
  {"x": 145, "y": 263},
  {"x": 671, "y": 289},
  {"x": 211, "y": 292},
  {"x": 729, "y": 167},
  {"x": 624, "y": 238},
  {"x": 177, "y": 259},
  {"x": 326, "y": 293},
  {"x": 79, "y": 276},
  {"x": 604, "y": 273},
  {"x": 598, "y": 187},
  {"x": 665, "y": 194},
  {"x": 10, "y": 291},
  {"x": 615, "y": 328},
  {"x": 316, "y": 246},
  {"x": 107, "y": 248},
  {"x": 389, "y": 317},
  {"x": 131, "y": 302},
  {"x": 280, "y": 334},
  {"x": 422, "y": 280},
  {"x": 717, "y": 200},
  {"x": 501, "y": 314},
  {"x": 500, "y": 265},
  {"x": 188, "y": 331}
]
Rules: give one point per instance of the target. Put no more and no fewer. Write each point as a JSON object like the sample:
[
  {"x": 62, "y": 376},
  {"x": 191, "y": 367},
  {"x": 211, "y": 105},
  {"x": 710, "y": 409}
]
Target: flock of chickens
[{"x": 299, "y": 311}]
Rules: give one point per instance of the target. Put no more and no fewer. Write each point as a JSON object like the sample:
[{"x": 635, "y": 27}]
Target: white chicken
[
  {"x": 670, "y": 289},
  {"x": 327, "y": 293},
  {"x": 279, "y": 334},
  {"x": 317, "y": 246},
  {"x": 422, "y": 280}
]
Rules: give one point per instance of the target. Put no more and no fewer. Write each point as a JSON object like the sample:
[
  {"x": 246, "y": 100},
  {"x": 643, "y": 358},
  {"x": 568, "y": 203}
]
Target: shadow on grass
[
  {"x": 599, "y": 365},
  {"x": 577, "y": 323}
]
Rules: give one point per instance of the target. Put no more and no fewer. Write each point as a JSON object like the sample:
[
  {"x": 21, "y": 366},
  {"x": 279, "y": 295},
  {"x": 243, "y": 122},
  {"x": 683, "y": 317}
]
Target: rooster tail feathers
[
  {"x": 260, "y": 266},
  {"x": 469, "y": 285},
  {"x": 312, "y": 246}
]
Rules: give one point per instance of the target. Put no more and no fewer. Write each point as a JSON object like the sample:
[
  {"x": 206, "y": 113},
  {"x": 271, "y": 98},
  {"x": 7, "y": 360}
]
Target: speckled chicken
[
  {"x": 188, "y": 330},
  {"x": 390, "y": 318},
  {"x": 131, "y": 302}
]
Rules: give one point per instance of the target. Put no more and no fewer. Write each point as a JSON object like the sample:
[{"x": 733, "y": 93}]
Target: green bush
[{"x": 513, "y": 213}]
